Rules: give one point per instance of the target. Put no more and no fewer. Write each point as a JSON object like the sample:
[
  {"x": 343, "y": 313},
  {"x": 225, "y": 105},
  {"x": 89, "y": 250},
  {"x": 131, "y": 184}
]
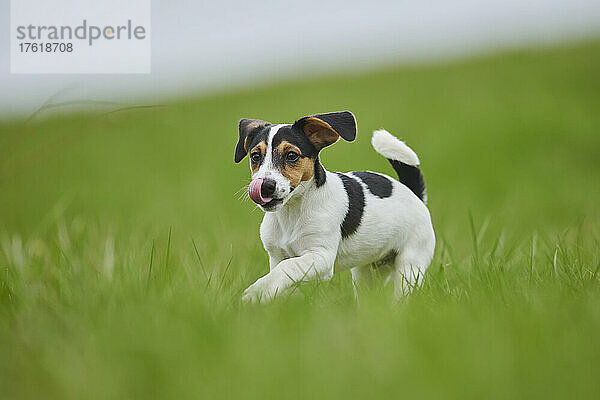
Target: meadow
[{"x": 125, "y": 244}]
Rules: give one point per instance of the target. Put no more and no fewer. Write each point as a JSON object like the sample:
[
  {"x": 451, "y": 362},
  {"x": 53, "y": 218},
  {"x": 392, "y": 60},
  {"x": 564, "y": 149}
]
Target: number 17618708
[{"x": 48, "y": 47}]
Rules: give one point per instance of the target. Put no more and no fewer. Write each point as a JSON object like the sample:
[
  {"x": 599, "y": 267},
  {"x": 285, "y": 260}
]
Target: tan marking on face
[
  {"x": 262, "y": 147},
  {"x": 286, "y": 146},
  {"x": 301, "y": 170}
]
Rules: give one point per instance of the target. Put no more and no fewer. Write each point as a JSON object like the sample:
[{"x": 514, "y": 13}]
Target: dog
[{"x": 315, "y": 218}]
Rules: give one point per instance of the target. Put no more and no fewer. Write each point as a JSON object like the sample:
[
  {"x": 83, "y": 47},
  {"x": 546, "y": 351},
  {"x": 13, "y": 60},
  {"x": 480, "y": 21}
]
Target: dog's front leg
[
  {"x": 275, "y": 257},
  {"x": 314, "y": 264}
]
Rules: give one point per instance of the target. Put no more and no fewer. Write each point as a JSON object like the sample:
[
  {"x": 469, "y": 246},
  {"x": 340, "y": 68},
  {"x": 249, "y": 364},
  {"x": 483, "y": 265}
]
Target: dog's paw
[{"x": 261, "y": 291}]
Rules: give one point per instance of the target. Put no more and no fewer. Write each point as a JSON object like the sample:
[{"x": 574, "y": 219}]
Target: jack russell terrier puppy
[{"x": 363, "y": 220}]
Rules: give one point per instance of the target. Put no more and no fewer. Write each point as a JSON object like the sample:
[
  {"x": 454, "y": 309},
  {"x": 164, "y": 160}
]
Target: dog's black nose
[{"x": 268, "y": 188}]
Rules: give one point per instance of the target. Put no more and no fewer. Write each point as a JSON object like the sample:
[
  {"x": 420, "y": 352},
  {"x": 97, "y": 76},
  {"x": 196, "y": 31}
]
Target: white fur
[
  {"x": 393, "y": 148},
  {"x": 303, "y": 237}
]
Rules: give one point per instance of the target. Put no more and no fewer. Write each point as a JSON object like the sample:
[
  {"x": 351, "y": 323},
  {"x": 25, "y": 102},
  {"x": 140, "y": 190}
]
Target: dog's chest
[{"x": 286, "y": 236}]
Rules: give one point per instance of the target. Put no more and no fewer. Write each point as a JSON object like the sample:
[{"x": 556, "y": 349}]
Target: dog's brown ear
[
  {"x": 246, "y": 126},
  {"x": 325, "y": 129}
]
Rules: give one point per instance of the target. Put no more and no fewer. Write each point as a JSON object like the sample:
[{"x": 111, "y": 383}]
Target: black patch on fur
[
  {"x": 260, "y": 134},
  {"x": 319, "y": 174},
  {"x": 246, "y": 133},
  {"x": 356, "y": 205},
  {"x": 296, "y": 137},
  {"x": 377, "y": 184},
  {"x": 410, "y": 176}
]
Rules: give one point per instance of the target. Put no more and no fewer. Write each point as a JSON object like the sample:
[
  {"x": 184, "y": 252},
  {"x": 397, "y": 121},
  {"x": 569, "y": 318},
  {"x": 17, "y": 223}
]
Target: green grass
[{"x": 124, "y": 247}]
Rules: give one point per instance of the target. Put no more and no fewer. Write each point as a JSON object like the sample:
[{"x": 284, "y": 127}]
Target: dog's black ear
[
  {"x": 343, "y": 122},
  {"x": 325, "y": 129},
  {"x": 246, "y": 127}
]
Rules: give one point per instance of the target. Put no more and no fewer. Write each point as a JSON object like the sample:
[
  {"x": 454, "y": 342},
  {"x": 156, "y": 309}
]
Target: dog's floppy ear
[
  {"x": 325, "y": 129},
  {"x": 246, "y": 126}
]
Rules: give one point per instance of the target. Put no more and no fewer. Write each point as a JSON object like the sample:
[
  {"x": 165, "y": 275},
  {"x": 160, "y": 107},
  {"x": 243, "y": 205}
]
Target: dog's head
[{"x": 284, "y": 156}]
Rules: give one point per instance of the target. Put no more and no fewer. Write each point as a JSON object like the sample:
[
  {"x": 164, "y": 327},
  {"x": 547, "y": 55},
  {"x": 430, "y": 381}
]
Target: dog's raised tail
[{"x": 403, "y": 159}]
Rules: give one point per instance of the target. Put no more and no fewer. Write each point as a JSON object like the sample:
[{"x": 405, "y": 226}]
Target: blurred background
[{"x": 206, "y": 47}]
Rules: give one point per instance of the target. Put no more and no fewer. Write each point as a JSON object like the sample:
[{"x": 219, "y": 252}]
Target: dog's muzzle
[{"x": 261, "y": 190}]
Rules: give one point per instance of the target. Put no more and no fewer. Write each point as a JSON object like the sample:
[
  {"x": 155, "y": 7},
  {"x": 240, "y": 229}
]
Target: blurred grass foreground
[{"x": 125, "y": 245}]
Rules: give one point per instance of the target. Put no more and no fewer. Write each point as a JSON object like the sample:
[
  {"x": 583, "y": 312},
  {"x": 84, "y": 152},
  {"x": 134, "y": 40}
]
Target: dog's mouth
[
  {"x": 256, "y": 194},
  {"x": 270, "y": 205}
]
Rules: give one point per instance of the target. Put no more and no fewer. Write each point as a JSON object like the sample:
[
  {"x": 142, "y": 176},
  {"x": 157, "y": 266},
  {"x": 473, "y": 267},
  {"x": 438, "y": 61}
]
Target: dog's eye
[
  {"x": 255, "y": 157},
  {"x": 292, "y": 156}
]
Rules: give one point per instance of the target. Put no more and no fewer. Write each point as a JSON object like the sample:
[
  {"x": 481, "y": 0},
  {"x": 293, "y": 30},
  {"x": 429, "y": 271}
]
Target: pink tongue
[{"x": 254, "y": 192}]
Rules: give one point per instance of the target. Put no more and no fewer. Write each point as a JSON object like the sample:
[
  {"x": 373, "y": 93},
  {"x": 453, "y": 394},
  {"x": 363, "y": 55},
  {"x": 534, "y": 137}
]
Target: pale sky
[{"x": 200, "y": 47}]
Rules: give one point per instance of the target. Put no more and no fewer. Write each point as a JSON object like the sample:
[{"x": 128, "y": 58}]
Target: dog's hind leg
[
  {"x": 409, "y": 272},
  {"x": 367, "y": 276}
]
